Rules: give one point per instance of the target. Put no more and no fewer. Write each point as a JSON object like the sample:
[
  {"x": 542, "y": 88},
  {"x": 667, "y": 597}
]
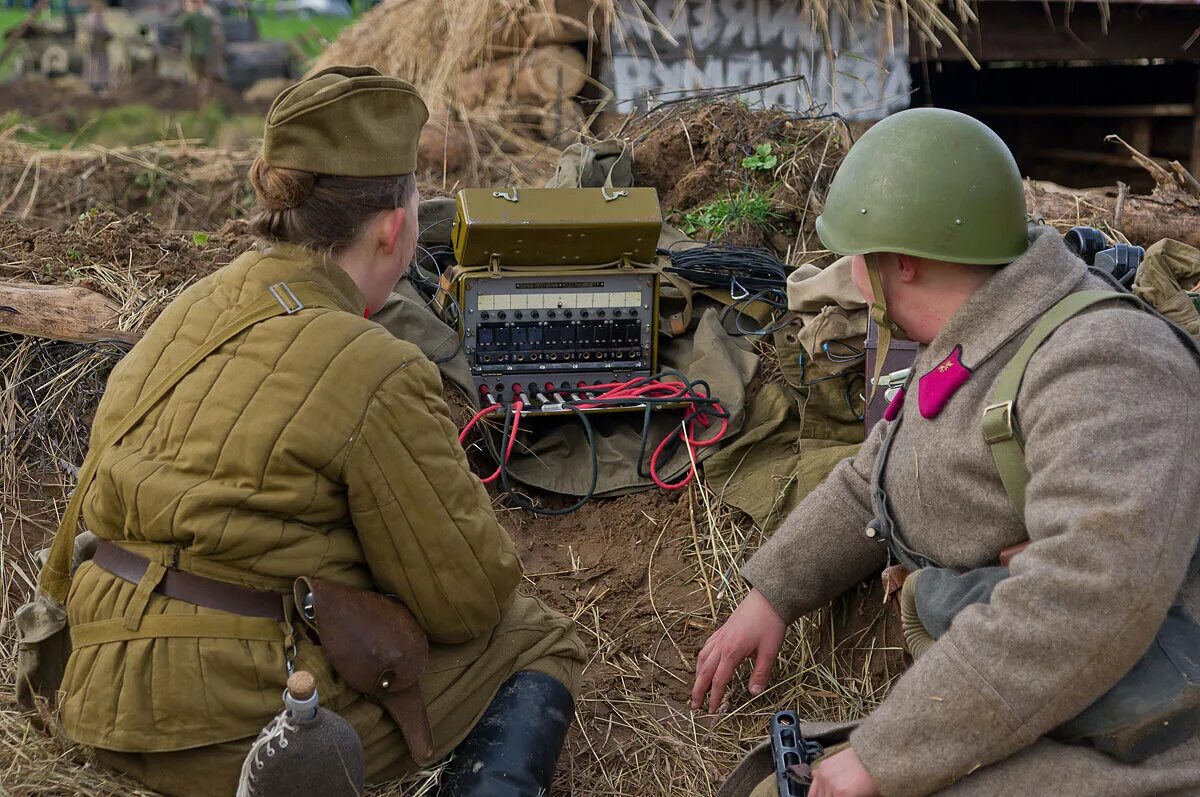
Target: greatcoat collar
[{"x": 1011, "y": 299}]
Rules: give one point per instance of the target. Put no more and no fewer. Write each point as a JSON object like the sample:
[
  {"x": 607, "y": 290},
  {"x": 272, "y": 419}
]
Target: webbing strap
[
  {"x": 190, "y": 626},
  {"x": 281, "y": 299},
  {"x": 883, "y": 325},
  {"x": 1000, "y": 428}
]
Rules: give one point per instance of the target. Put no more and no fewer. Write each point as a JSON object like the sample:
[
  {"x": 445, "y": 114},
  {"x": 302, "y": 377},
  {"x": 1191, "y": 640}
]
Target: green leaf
[{"x": 200, "y": 239}]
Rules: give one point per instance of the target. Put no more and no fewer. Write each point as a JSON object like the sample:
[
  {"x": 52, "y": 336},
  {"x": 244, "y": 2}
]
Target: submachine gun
[
  {"x": 553, "y": 293},
  {"x": 793, "y": 755}
]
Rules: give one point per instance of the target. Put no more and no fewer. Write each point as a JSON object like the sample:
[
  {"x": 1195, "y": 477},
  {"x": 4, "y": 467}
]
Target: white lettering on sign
[{"x": 711, "y": 44}]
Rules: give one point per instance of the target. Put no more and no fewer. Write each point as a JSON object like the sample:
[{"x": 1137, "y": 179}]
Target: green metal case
[{"x": 555, "y": 227}]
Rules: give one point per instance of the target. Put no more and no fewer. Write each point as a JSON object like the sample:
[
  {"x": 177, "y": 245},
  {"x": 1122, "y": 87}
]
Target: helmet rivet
[
  {"x": 958, "y": 221},
  {"x": 863, "y": 211}
]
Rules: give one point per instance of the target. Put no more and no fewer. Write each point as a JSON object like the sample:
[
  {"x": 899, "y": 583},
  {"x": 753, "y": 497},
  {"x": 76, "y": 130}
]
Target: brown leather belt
[{"x": 206, "y": 592}]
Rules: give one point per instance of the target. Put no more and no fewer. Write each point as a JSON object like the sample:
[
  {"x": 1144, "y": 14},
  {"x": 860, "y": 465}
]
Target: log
[
  {"x": 1144, "y": 219},
  {"x": 445, "y": 145},
  {"x": 72, "y": 314},
  {"x": 538, "y": 78}
]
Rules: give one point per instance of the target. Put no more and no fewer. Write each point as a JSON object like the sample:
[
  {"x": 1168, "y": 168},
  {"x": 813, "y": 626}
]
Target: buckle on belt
[
  {"x": 283, "y": 294},
  {"x": 998, "y": 422}
]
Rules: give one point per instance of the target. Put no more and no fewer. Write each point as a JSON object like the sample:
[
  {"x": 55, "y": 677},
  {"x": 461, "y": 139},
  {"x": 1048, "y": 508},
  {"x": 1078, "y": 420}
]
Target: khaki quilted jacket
[
  {"x": 1111, "y": 424},
  {"x": 314, "y": 444}
]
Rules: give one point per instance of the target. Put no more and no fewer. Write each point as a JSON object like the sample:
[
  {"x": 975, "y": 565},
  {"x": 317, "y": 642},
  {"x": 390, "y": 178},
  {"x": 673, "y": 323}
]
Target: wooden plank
[
  {"x": 1179, "y": 110},
  {"x": 57, "y": 312},
  {"x": 1029, "y": 31}
]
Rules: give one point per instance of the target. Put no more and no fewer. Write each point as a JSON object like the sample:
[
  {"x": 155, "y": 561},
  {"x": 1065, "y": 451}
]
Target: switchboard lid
[{"x": 556, "y": 227}]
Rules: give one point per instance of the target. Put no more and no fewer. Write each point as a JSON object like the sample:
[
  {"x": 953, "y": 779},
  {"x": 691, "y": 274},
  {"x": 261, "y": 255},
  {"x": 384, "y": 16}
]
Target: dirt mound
[
  {"x": 101, "y": 244},
  {"x": 180, "y": 186},
  {"x": 724, "y": 170}
]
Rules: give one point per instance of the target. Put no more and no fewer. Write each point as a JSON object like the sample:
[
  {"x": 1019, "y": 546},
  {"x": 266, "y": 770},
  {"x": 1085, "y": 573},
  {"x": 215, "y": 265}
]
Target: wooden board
[
  {"x": 58, "y": 312},
  {"x": 1029, "y": 31}
]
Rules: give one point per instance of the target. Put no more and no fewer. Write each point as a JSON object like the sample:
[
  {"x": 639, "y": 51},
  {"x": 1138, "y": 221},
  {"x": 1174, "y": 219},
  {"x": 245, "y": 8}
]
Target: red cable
[
  {"x": 689, "y": 440},
  {"x": 517, "y": 406},
  {"x": 633, "y": 389}
]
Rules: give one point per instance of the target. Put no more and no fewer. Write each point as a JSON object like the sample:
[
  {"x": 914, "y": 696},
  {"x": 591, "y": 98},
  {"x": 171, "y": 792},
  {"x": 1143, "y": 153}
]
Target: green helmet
[{"x": 930, "y": 183}]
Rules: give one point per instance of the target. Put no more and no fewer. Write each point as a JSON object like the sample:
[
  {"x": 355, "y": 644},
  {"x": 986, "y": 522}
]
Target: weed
[
  {"x": 200, "y": 239},
  {"x": 762, "y": 160},
  {"x": 720, "y": 217}
]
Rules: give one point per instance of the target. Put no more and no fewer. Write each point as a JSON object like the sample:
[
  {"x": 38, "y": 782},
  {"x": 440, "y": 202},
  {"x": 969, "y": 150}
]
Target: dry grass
[{"x": 634, "y": 740}]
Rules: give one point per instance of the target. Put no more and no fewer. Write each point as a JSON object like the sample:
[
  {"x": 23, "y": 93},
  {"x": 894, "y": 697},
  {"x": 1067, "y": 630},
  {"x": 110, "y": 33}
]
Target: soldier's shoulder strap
[
  {"x": 282, "y": 299},
  {"x": 1000, "y": 427}
]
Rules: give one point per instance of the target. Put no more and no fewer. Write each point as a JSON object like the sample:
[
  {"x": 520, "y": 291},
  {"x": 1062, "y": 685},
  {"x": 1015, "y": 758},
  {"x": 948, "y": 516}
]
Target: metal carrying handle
[{"x": 514, "y": 197}]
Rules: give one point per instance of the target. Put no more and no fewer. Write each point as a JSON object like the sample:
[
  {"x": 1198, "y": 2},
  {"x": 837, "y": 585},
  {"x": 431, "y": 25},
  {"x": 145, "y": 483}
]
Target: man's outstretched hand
[{"x": 754, "y": 629}]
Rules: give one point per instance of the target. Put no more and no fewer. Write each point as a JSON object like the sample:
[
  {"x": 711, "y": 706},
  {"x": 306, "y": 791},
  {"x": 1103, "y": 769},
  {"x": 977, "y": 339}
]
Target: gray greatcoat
[{"x": 1111, "y": 423}]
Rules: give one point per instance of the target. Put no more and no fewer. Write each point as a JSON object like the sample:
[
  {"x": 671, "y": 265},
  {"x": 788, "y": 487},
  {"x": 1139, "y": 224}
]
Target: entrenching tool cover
[{"x": 556, "y": 227}]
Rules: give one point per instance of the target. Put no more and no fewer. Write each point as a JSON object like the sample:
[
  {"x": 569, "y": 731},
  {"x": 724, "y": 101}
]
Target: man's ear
[
  {"x": 391, "y": 225},
  {"x": 909, "y": 267}
]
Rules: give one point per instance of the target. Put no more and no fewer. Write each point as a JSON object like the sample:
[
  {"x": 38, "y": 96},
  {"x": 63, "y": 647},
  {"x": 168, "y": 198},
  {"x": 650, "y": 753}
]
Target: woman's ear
[{"x": 391, "y": 224}]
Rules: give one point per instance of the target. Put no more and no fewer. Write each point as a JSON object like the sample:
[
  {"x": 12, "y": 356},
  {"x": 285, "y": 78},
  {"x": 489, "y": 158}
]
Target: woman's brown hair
[{"x": 320, "y": 211}]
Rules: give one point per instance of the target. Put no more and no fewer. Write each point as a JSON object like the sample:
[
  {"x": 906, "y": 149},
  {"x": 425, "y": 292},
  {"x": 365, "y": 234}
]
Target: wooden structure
[{"x": 1056, "y": 79}]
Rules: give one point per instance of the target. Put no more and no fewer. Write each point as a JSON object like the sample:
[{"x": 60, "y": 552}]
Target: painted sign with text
[{"x": 665, "y": 49}]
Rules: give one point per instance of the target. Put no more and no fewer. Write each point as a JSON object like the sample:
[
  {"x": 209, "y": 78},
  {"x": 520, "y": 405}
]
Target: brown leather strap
[
  {"x": 1007, "y": 554},
  {"x": 206, "y": 592}
]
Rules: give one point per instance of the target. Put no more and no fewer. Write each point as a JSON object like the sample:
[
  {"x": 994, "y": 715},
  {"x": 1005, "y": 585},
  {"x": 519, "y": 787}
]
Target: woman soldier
[
  {"x": 311, "y": 444},
  {"x": 930, "y": 205}
]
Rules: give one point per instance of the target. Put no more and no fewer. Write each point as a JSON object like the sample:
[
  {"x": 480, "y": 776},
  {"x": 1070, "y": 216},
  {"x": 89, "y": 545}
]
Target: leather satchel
[{"x": 376, "y": 645}]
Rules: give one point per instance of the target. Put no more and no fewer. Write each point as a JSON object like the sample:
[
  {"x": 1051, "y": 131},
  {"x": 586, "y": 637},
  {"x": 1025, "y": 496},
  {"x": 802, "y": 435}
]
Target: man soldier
[{"x": 929, "y": 204}]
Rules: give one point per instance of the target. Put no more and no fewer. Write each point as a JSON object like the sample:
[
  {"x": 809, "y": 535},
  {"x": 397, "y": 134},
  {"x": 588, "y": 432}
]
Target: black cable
[
  {"x": 521, "y": 502},
  {"x": 750, "y": 274}
]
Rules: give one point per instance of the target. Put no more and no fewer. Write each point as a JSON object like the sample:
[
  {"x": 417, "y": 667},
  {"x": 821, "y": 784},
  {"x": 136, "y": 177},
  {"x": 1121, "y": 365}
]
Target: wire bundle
[
  {"x": 750, "y": 274},
  {"x": 702, "y": 411}
]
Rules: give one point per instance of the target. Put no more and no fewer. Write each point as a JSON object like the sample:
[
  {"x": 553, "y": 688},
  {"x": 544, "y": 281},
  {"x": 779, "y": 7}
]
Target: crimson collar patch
[
  {"x": 939, "y": 385},
  {"x": 893, "y": 408}
]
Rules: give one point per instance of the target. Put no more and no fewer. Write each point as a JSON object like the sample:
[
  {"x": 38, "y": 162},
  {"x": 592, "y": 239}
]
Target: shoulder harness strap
[{"x": 1000, "y": 427}]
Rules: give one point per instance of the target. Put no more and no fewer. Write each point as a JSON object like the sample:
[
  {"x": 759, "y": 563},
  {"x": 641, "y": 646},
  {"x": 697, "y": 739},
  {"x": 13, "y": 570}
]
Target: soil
[
  {"x": 161, "y": 261},
  {"x": 692, "y": 154}
]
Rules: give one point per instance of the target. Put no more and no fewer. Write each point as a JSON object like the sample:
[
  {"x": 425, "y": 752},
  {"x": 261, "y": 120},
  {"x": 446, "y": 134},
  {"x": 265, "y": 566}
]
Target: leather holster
[{"x": 376, "y": 645}]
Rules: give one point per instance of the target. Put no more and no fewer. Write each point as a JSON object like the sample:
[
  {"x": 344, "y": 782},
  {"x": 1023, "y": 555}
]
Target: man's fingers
[
  {"x": 721, "y": 678},
  {"x": 764, "y": 662},
  {"x": 705, "y": 664}
]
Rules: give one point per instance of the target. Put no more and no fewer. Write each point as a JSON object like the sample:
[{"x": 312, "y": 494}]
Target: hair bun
[{"x": 278, "y": 188}]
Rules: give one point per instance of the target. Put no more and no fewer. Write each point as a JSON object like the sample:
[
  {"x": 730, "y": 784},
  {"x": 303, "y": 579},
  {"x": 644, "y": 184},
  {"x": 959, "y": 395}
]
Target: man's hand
[
  {"x": 754, "y": 629},
  {"x": 842, "y": 775}
]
